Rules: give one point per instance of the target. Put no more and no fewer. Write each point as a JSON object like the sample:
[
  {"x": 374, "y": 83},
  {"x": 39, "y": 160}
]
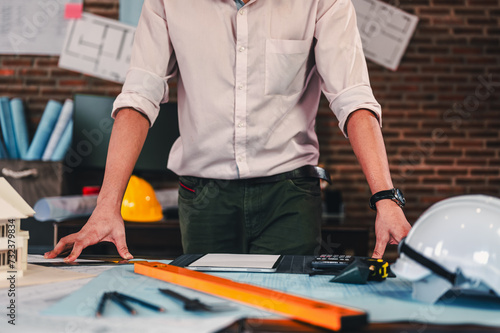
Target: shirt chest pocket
[{"x": 286, "y": 66}]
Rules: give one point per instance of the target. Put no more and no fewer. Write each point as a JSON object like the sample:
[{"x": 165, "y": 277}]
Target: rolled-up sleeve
[
  {"x": 152, "y": 64},
  {"x": 341, "y": 62}
]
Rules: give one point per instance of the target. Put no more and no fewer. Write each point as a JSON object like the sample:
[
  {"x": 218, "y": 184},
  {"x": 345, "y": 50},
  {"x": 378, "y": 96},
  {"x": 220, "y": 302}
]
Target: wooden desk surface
[{"x": 289, "y": 326}]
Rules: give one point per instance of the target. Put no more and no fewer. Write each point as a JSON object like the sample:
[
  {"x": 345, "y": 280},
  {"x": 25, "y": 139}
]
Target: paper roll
[
  {"x": 64, "y": 143},
  {"x": 62, "y": 122},
  {"x": 3, "y": 151},
  {"x": 7, "y": 128},
  {"x": 75, "y": 206},
  {"x": 44, "y": 130},
  {"x": 63, "y": 208},
  {"x": 20, "y": 127}
]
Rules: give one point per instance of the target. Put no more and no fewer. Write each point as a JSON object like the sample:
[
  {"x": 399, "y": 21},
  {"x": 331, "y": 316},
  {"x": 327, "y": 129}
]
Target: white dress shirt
[{"x": 248, "y": 81}]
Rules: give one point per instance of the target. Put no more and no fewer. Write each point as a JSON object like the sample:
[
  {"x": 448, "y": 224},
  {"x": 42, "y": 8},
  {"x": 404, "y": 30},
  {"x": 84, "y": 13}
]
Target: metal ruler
[{"x": 333, "y": 317}]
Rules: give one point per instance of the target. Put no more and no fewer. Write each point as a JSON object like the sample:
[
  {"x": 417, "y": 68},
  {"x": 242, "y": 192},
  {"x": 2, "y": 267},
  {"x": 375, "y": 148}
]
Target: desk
[
  {"x": 163, "y": 239},
  {"x": 29, "y": 319},
  {"x": 280, "y": 326}
]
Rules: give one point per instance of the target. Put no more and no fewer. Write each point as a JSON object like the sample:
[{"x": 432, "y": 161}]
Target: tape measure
[{"x": 378, "y": 269}]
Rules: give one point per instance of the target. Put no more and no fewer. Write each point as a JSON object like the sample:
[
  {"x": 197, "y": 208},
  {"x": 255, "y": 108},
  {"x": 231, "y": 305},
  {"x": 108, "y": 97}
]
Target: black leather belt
[{"x": 307, "y": 171}]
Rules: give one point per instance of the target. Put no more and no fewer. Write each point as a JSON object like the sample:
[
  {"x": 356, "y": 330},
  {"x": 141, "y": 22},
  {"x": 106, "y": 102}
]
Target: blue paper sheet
[
  {"x": 20, "y": 127},
  {"x": 389, "y": 301},
  {"x": 44, "y": 130}
]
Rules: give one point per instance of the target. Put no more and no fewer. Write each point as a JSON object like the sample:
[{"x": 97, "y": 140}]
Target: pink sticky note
[{"x": 73, "y": 10}]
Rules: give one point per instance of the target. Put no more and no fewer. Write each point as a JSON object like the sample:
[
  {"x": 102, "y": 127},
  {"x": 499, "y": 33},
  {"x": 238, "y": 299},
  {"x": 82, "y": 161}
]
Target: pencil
[
  {"x": 122, "y": 303},
  {"x": 100, "y": 307},
  {"x": 139, "y": 301}
]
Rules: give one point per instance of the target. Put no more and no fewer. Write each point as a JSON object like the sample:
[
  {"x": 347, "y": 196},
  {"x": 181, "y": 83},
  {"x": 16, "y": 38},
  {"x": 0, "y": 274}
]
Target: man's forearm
[
  {"x": 127, "y": 138},
  {"x": 367, "y": 143}
]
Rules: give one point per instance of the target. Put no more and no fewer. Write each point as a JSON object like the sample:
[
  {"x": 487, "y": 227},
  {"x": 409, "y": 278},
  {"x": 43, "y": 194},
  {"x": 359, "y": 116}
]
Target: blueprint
[
  {"x": 99, "y": 47},
  {"x": 33, "y": 26},
  {"x": 385, "y": 31},
  {"x": 388, "y": 301}
]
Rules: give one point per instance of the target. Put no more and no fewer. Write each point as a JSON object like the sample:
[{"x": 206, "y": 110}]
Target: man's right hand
[
  {"x": 101, "y": 227},
  {"x": 106, "y": 224}
]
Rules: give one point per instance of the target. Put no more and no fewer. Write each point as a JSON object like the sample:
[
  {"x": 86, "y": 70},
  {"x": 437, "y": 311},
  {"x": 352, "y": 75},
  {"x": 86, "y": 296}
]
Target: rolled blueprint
[
  {"x": 3, "y": 151},
  {"x": 167, "y": 198},
  {"x": 20, "y": 127},
  {"x": 75, "y": 206},
  {"x": 44, "y": 130},
  {"x": 63, "y": 208},
  {"x": 59, "y": 128},
  {"x": 63, "y": 144},
  {"x": 7, "y": 128}
]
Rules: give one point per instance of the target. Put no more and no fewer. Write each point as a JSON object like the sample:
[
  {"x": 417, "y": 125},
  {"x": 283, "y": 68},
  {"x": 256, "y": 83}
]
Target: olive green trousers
[{"x": 239, "y": 216}]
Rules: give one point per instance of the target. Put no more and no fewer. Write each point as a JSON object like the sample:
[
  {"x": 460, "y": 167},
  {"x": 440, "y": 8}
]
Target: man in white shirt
[{"x": 250, "y": 75}]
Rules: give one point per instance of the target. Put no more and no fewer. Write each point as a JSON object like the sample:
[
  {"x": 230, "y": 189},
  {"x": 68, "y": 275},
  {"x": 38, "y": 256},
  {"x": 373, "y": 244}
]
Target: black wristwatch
[{"x": 395, "y": 195}]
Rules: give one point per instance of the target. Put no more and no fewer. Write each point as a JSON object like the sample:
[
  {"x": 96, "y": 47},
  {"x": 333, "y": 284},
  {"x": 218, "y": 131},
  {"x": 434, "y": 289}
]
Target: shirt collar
[{"x": 239, "y": 4}]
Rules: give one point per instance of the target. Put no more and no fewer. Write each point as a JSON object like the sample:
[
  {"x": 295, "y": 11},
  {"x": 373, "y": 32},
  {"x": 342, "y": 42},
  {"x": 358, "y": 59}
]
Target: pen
[{"x": 139, "y": 301}]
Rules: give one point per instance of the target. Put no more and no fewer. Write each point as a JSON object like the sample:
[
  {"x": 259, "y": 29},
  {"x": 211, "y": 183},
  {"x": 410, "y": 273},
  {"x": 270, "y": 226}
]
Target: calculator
[{"x": 332, "y": 261}]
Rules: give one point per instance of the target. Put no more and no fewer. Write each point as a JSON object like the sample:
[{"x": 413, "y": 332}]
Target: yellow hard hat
[{"x": 139, "y": 202}]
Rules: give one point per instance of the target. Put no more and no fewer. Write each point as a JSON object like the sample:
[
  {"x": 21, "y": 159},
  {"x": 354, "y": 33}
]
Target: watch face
[{"x": 399, "y": 196}]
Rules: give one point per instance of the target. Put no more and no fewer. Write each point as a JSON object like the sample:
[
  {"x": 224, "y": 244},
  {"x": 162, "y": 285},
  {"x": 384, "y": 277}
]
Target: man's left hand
[{"x": 391, "y": 226}]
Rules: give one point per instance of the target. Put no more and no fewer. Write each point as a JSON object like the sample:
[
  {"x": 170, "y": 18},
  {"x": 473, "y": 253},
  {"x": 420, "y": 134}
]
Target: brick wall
[{"x": 441, "y": 108}]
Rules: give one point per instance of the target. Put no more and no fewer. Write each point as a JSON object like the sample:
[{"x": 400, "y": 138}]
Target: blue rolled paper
[
  {"x": 20, "y": 128},
  {"x": 44, "y": 130},
  {"x": 7, "y": 128},
  {"x": 3, "y": 152},
  {"x": 61, "y": 124},
  {"x": 64, "y": 143}
]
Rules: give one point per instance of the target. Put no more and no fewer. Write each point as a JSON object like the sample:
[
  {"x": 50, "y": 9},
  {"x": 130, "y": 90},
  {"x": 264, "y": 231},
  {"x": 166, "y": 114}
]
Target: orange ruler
[{"x": 333, "y": 317}]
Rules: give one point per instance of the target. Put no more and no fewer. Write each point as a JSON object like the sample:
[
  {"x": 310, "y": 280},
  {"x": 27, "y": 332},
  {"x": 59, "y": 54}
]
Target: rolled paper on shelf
[
  {"x": 64, "y": 143},
  {"x": 7, "y": 128},
  {"x": 62, "y": 122},
  {"x": 75, "y": 206},
  {"x": 3, "y": 151},
  {"x": 44, "y": 130},
  {"x": 167, "y": 198},
  {"x": 65, "y": 207},
  {"x": 20, "y": 127}
]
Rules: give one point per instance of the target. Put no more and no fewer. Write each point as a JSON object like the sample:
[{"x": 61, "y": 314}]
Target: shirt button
[
  {"x": 240, "y": 125},
  {"x": 240, "y": 87},
  {"x": 240, "y": 159},
  {"x": 242, "y": 12},
  {"x": 241, "y": 49}
]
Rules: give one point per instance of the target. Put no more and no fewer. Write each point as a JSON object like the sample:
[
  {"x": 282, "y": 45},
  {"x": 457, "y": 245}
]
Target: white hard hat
[{"x": 454, "y": 245}]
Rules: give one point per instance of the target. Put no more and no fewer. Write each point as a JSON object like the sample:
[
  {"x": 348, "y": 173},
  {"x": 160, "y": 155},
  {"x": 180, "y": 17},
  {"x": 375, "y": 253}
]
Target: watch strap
[{"x": 394, "y": 194}]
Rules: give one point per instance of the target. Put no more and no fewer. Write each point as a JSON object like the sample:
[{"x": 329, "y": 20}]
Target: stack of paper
[{"x": 52, "y": 137}]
